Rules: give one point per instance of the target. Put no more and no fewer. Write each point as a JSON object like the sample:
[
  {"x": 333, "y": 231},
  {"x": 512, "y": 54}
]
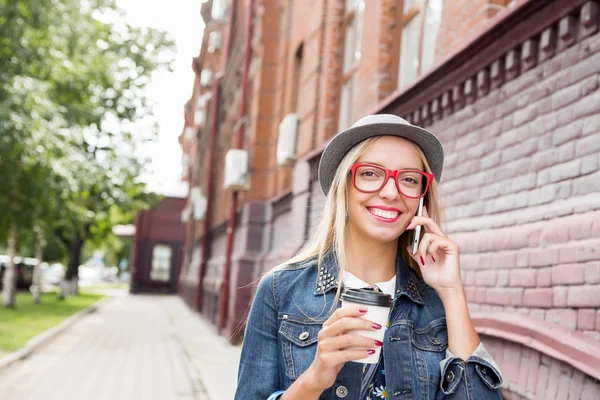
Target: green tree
[{"x": 71, "y": 91}]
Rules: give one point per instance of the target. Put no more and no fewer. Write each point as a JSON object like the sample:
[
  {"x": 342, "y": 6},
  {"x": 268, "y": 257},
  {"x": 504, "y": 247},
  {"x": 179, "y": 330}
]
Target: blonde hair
[{"x": 330, "y": 235}]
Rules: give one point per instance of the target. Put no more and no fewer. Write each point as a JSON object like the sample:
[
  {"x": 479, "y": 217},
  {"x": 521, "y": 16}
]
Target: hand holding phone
[{"x": 417, "y": 230}]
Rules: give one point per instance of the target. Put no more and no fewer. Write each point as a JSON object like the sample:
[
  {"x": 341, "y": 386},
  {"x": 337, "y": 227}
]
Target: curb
[{"x": 46, "y": 336}]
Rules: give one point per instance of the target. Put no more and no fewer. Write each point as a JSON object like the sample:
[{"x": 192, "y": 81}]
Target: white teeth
[{"x": 384, "y": 214}]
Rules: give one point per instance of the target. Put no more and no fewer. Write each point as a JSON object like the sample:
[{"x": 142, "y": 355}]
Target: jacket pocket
[
  {"x": 299, "y": 341},
  {"x": 429, "y": 346},
  {"x": 434, "y": 337}
]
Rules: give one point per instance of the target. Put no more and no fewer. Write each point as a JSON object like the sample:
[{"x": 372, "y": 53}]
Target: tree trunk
[
  {"x": 36, "y": 286},
  {"x": 10, "y": 278},
  {"x": 69, "y": 283}
]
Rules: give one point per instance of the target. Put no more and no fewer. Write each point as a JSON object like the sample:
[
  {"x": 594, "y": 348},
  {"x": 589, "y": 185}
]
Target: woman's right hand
[{"x": 336, "y": 345}]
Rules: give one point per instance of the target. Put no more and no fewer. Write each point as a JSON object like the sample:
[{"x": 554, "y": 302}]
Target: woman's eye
[
  {"x": 369, "y": 174},
  {"x": 410, "y": 180}
]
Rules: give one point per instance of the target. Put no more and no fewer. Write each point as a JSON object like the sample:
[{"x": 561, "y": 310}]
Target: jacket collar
[{"x": 407, "y": 282}]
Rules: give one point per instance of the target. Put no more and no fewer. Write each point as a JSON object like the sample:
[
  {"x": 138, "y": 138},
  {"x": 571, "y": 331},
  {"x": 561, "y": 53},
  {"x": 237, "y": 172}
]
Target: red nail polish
[
  {"x": 378, "y": 343},
  {"x": 370, "y": 352},
  {"x": 376, "y": 325},
  {"x": 363, "y": 310},
  {"x": 422, "y": 261},
  {"x": 433, "y": 258}
]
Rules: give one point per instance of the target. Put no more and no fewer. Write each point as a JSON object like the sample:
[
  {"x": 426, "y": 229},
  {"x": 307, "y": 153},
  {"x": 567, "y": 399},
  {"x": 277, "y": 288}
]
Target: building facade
[
  {"x": 511, "y": 88},
  {"x": 157, "y": 247}
]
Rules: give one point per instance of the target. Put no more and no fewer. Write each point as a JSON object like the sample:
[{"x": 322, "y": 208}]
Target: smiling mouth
[{"x": 387, "y": 216}]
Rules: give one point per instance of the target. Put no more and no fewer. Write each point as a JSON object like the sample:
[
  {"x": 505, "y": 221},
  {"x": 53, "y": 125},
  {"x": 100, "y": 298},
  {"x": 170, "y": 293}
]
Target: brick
[
  {"x": 523, "y": 278},
  {"x": 586, "y": 319},
  {"x": 568, "y": 132},
  {"x": 522, "y": 260},
  {"x": 563, "y": 317},
  {"x": 565, "y": 96},
  {"x": 587, "y": 145},
  {"x": 565, "y": 115},
  {"x": 582, "y": 70},
  {"x": 525, "y": 182},
  {"x": 584, "y": 296},
  {"x": 486, "y": 278},
  {"x": 565, "y": 171},
  {"x": 525, "y": 115},
  {"x": 568, "y": 253},
  {"x": 542, "y": 382},
  {"x": 589, "y": 164},
  {"x": 572, "y": 274},
  {"x": 591, "y": 125},
  {"x": 491, "y": 161},
  {"x": 576, "y": 385},
  {"x": 480, "y": 295},
  {"x": 538, "y": 314},
  {"x": 586, "y": 184},
  {"x": 504, "y": 296},
  {"x": 592, "y": 273},
  {"x": 503, "y": 278},
  {"x": 470, "y": 293},
  {"x": 587, "y": 105},
  {"x": 588, "y": 251},
  {"x": 542, "y": 195},
  {"x": 544, "y": 257},
  {"x": 544, "y": 277},
  {"x": 591, "y": 388},
  {"x": 503, "y": 260},
  {"x": 537, "y": 298},
  {"x": 554, "y": 232},
  {"x": 544, "y": 159}
]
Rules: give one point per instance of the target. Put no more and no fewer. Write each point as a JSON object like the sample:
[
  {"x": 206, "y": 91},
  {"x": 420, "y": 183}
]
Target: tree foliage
[{"x": 72, "y": 88}]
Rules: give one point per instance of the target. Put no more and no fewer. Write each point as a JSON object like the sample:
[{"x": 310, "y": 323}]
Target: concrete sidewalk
[
  {"x": 214, "y": 358},
  {"x": 133, "y": 347}
]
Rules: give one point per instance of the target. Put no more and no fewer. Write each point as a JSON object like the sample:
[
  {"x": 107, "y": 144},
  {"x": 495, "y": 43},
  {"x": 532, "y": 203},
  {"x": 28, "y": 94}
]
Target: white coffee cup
[{"x": 378, "y": 309}]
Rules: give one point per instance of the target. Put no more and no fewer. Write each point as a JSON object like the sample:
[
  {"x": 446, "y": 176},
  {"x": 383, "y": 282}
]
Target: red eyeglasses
[{"x": 370, "y": 178}]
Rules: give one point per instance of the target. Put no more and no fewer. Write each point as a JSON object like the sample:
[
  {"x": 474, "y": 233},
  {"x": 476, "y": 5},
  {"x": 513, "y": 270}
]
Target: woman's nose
[{"x": 389, "y": 190}]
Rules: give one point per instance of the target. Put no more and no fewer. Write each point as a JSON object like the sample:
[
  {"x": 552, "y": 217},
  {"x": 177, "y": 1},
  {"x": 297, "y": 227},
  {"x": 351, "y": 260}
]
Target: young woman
[{"x": 299, "y": 345}]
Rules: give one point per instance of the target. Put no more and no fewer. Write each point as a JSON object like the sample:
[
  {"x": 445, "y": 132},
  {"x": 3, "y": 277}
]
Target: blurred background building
[{"x": 511, "y": 88}]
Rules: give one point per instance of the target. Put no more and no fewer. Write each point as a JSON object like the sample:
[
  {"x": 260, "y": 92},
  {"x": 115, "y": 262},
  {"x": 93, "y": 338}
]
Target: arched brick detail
[{"x": 540, "y": 361}]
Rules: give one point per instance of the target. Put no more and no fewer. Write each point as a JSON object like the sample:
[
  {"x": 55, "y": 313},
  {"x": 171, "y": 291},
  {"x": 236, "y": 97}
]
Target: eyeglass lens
[{"x": 371, "y": 179}]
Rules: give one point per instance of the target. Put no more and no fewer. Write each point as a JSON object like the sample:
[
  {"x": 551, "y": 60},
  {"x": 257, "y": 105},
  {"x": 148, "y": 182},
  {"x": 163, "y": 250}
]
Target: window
[
  {"x": 352, "y": 37},
  {"x": 161, "y": 263},
  {"x": 420, "y": 23}
]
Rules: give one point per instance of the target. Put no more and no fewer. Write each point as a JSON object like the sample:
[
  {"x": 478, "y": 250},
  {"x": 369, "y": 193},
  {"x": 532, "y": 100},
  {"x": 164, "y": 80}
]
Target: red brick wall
[
  {"x": 518, "y": 119},
  {"x": 463, "y": 19},
  {"x": 521, "y": 190}
]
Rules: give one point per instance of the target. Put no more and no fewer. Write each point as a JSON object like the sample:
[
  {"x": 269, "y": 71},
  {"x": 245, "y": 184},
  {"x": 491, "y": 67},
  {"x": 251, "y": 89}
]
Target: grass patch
[{"x": 27, "y": 320}]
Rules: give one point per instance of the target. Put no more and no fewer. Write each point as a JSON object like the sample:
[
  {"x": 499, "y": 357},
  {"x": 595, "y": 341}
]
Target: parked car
[{"x": 23, "y": 270}]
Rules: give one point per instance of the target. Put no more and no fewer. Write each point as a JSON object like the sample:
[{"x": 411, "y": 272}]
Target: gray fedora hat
[{"x": 378, "y": 125}]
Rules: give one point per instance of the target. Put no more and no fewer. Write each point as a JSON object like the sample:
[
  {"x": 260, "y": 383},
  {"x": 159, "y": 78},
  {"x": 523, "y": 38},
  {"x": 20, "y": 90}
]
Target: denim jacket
[{"x": 290, "y": 307}]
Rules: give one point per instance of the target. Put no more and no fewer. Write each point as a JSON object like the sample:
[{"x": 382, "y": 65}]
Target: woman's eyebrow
[{"x": 380, "y": 165}]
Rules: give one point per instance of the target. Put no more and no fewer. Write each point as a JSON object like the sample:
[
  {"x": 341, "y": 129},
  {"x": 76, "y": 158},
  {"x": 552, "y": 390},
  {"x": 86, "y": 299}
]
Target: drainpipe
[
  {"x": 212, "y": 142},
  {"x": 224, "y": 298}
]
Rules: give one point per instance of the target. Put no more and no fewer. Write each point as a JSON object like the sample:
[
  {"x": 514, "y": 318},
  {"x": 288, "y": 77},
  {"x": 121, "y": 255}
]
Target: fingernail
[
  {"x": 433, "y": 258},
  {"x": 422, "y": 261},
  {"x": 370, "y": 352},
  {"x": 363, "y": 310},
  {"x": 378, "y": 343},
  {"x": 376, "y": 325}
]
